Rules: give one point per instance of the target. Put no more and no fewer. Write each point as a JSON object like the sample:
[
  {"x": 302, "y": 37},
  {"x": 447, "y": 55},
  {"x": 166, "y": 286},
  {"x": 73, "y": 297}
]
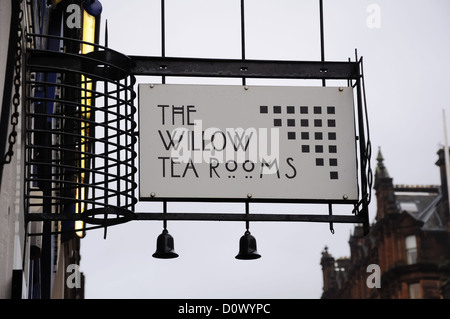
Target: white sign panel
[{"x": 216, "y": 142}]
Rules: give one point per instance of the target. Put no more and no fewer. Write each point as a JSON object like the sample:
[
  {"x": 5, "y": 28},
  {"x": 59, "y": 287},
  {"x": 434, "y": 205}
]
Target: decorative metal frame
[
  {"x": 79, "y": 136},
  {"x": 350, "y": 71}
]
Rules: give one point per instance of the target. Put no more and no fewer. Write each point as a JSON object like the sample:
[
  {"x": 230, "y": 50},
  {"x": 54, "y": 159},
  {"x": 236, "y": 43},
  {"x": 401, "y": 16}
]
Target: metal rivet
[
  {"x": 246, "y": 88},
  {"x": 152, "y": 194},
  {"x": 249, "y": 195},
  {"x": 341, "y": 89},
  {"x": 345, "y": 196},
  {"x": 152, "y": 86}
]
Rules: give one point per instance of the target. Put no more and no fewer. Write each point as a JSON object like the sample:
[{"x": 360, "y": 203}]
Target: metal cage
[{"x": 79, "y": 135}]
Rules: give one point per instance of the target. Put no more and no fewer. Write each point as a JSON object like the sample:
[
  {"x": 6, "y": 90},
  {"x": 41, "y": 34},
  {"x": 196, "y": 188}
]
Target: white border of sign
[{"x": 232, "y": 143}]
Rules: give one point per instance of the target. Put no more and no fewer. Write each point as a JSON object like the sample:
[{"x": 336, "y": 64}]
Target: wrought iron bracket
[
  {"x": 101, "y": 217},
  {"x": 229, "y": 68},
  {"x": 114, "y": 66}
]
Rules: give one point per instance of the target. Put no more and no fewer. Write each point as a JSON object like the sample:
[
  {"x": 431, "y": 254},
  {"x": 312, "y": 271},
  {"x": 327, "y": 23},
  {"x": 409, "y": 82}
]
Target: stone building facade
[{"x": 406, "y": 254}]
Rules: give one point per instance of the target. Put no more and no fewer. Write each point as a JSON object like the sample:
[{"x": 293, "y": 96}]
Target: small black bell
[
  {"x": 247, "y": 247},
  {"x": 165, "y": 246}
]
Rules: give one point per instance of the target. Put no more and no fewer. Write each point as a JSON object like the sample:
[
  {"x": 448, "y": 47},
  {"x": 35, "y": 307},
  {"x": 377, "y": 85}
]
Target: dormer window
[{"x": 411, "y": 249}]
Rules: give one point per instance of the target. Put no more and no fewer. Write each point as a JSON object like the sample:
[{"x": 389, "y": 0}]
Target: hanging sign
[{"x": 222, "y": 142}]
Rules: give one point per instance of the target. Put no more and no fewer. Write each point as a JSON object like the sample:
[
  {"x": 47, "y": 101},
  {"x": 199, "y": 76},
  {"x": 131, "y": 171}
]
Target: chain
[{"x": 16, "y": 97}]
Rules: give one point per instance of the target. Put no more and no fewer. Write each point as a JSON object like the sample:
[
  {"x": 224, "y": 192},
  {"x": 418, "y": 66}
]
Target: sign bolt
[
  {"x": 345, "y": 196},
  {"x": 152, "y": 194},
  {"x": 249, "y": 195},
  {"x": 341, "y": 89}
]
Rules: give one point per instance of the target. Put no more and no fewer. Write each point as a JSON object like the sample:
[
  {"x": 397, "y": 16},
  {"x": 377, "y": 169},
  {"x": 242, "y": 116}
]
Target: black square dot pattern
[
  {"x": 291, "y": 122},
  {"x": 314, "y": 126}
]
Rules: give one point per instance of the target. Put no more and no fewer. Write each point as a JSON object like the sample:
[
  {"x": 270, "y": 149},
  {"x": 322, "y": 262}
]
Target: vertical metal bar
[
  {"x": 322, "y": 58},
  {"x": 132, "y": 137},
  {"x": 363, "y": 154},
  {"x": 126, "y": 136},
  {"x": 446, "y": 157},
  {"x": 165, "y": 212},
  {"x": 163, "y": 34},
  {"x": 349, "y": 81},
  {"x": 330, "y": 212},
  {"x": 243, "y": 36},
  {"x": 247, "y": 212},
  {"x": 106, "y": 148},
  {"x": 106, "y": 134},
  {"x": 322, "y": 40},
  {"x": 106, "y": 33},
  {"x": 118, "y": 89}
]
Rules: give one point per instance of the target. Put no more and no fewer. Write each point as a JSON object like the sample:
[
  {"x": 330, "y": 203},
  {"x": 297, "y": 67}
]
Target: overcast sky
[{"x": 405, "y": 47}]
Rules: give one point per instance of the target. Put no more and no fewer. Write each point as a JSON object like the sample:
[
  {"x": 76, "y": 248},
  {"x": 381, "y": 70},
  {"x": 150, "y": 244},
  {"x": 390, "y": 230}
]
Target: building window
[
  {"x": 411, "y": 249},
  {"x": 410, "y": 207},
  {"x": 414, "y": 291}
]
